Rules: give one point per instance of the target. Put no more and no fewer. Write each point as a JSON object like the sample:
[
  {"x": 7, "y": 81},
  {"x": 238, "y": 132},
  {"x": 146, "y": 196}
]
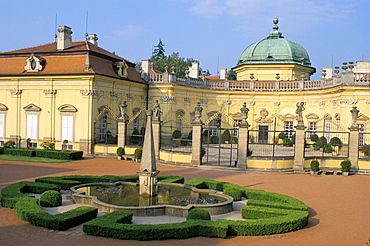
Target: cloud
[
  {"x": 130, "y": 32},
  {"x": 296, "y": 14}
]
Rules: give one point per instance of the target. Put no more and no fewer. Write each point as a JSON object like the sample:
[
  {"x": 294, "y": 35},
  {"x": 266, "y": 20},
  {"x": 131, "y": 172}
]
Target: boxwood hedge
[{"x": 266, "y": 212}]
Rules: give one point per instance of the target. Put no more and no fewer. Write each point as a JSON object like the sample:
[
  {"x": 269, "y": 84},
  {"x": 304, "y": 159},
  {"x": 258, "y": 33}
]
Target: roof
[
  {"x": 68, "y": 61},
  {"x": 275, "y": 49}
]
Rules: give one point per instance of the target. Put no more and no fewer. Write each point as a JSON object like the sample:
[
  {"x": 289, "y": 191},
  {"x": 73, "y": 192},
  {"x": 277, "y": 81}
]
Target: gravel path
[{"x": 339, "y": 206}]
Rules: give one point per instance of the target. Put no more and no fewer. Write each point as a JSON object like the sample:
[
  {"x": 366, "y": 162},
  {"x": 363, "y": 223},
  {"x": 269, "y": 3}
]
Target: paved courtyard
[{"x": 339, "y": 206}]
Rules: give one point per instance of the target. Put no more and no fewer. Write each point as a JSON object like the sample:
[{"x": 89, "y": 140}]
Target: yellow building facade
[{"x": 79, "y": 92}]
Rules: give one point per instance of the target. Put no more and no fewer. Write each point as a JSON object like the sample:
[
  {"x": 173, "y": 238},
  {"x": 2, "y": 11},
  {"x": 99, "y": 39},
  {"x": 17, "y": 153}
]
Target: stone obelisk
[{"x": 148, "y": 173}]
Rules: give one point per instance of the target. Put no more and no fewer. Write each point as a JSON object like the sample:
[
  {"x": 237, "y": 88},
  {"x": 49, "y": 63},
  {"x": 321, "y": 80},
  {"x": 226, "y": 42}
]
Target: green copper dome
[{"x": 275, "y": 49}]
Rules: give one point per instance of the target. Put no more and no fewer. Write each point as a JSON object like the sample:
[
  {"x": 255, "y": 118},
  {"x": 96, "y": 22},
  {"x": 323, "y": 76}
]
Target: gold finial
[{"x": 276, "y": 20}]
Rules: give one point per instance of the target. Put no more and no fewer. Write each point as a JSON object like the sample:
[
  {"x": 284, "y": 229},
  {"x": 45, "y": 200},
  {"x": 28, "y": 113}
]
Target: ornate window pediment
[
  {"x": 34, "y": 64},
  {"x": 362, "y": 117},
  {"x": 121, "y": 68},
  {"x": 312, "y": 116},
  {"x": 3, "y": 107},
  {"x": 67, "y": 108},
  {"x": 32, "y": 107}
]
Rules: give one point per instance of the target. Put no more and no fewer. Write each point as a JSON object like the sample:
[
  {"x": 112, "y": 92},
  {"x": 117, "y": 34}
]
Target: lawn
[{"x": 30, "y": 159}]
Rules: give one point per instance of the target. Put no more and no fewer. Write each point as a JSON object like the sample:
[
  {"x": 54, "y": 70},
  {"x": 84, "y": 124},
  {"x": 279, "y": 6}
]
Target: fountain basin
[{"x": 123, "y": 196}]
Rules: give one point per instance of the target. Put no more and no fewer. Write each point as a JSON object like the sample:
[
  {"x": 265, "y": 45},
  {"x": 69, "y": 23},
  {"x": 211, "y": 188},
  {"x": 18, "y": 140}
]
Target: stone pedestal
[
  {"x": 121, "y": 139},
  {"x": 242, "y": 145},
  {"x": 354, "y": 135},
  {"x": 299, "y": 147},
  {"x": 156, "y": 137},
  {"x": 147, "y": 183},
  {"x": 196, "y": 156}
]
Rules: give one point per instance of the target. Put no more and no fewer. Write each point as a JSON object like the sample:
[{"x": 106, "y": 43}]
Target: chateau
[{"x": 82, "y": 97}]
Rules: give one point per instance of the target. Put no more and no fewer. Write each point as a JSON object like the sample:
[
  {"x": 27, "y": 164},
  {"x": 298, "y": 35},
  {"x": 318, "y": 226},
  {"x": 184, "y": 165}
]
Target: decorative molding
[
  {"x": 203, "y": 102},
  {"x": 113, "y": 95},
  {"x": 32, "y": 107},
  {"x": 168, "y": 99},
  {"x": 321, "y": 104},
  {"x": 276, "y": 104},
  {"x": 252, "y": 103},
  {"x": 130, "y": 97},
  {"x": 145, "y": 99},
  {"x": 3, "y": 107},
  {"x": 334, "y": 103},
  {"x": 367, "y": 102},
  {"x": 50, "y": 92},
  {"x": 90, "y": 92},
  {"x": 264, "y": 112},
  {"x": 34, "y": 64},
  {"x": 67, "y": 108},
  {"x": 226, "y": 103},
  {"x": 16, "y": 92},
  {"x": 348, "y": 102},
  {"x": 187, "y": 100}
]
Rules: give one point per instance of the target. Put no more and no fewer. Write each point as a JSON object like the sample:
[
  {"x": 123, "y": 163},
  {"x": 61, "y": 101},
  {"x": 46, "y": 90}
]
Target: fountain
[{"x": 149, "y": 198}]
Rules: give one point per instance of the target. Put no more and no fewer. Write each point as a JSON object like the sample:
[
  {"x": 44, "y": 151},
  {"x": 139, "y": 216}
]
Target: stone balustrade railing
[{"x": 346, "y": 78}]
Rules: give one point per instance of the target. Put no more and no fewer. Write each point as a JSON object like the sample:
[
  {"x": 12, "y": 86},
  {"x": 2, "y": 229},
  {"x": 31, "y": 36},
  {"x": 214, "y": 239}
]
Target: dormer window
[{"x": 34, "y": 64}]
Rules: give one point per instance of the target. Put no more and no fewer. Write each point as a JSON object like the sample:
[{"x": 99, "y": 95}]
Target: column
[
  {"x": 196, "y": 153},
  {"x": 299, "y": 147},
  {"x": 156, "y": 124},
  {"x": 242, "y": 145},
  {"x": 122, "y": 125},
  {"x": 353, "y": 146}
]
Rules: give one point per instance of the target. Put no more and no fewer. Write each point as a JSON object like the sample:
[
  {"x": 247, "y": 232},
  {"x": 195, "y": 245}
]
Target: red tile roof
[{"x": 67, "y": 61}]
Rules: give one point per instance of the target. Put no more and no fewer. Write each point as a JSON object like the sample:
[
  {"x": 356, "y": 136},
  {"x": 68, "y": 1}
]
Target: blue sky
[{"x": 215, "y": 32}]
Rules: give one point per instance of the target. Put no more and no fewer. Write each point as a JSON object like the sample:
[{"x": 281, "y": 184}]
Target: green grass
[{"x": 30, "y": 159}]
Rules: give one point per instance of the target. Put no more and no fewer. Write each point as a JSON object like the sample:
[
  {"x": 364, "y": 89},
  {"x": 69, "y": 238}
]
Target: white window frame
[
  {"x": 32, "y": 131},
  {"x": 2, "y": 125},
  {"x": 288, "y": 128},
  {"x": 67, "y": 128},
  {"x": 312, "y": 127},
  {"x": 327, "y": 130}
]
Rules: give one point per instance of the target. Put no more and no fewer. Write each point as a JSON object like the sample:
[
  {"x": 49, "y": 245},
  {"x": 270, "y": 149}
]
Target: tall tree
[{"x": 158, "y": 51}]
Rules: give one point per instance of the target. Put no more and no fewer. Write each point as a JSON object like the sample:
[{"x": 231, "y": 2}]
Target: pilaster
[
  {"x": 196, "y": 156},
  {"x": 299, "y": 147},
  {"x": 354, "y": 135},
  {"x": 242, "y": 145}
]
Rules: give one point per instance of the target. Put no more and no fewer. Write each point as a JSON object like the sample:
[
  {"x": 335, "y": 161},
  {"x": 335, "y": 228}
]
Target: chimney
[
  {"x": 93, "y": 38},
  {"x": 194, "y": 70},
  {"x": 145, "y": 65},
  {"x": 223, "y": 73},
  {"x": 64, "y": 37}
]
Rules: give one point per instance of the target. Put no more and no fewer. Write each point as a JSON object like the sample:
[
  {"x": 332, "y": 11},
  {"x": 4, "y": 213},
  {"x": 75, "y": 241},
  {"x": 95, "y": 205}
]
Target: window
[
  {"x": 361, "y": 129},
  {"x": 67, "y": 127},
  {"x": 32, "y": 126},
  {"x": 2, "y": 125},
  {"x": 312, "y": 128},
  {"x": 213, "y": 126},
  {"x": 103, "y": 127},
  {"x": 327, "y": 130},
  {"x": 236, "y": 128},
  {"x": 288, "y": 128}
]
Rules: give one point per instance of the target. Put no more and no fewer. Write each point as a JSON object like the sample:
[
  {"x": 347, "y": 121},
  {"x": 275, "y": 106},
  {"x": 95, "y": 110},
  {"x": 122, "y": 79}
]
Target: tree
[
  {"x": 231, "y": 75},
  {"x": 159, "y": 50}
]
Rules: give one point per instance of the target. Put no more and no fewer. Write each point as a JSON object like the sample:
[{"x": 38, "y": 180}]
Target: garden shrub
[
  {"x": 327, "y": 148},
  {"x": 27, "y": 209},
  {"x": 198, "y": 214},
  {"x": 234, "y": 140},
  {"x": 176, "y": 134},
  {"x": 314, "y": 137},
  {"x": 346, "y": 165},
  {"x": 51, "y": 198},
  {"x": 135, "y": 138},
  {"x": 12, "y": 193},
  {"x": 20, "y": 152},
  {"x": 287, "y": 142},
  {"x": 120, "y": 151},
  {"x": 226, "y": 135},
  {"x": 138, "y": 153},
  {"x": 282, "y": 135},
  {"x": 57, "y": 154},
  {"x": 315, "y": 165},
  {"x": 1, "y": 150},
  {"x": 9, "y": 144},
  {"x": 215, "y": 139},
  {"x": 335, "y": 141},
  {"x": 237, "y": 194}
]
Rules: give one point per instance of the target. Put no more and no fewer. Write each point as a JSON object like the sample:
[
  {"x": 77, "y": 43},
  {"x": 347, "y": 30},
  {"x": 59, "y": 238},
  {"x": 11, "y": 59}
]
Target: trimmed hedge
[
  {"x": 51, "y": 198},
  {"x": 110, "y": 225},
  {"x": 57, "y": 154},
  {"x": 21, "y": 152},
  {"x": 12, "y": 193},
  {"x": 27, "y": 209},
  {"x": 267, "y": 212},
  {"x": 66, "y": 182},
  {"x": 198, "y": 214}
]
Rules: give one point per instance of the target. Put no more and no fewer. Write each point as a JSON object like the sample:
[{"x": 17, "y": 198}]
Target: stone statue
[
  {"x": 244, "y": 110},
  {"x": 299, "y": 110},
  {"x": 156, "y": 111},
  {"x": 354, "y": 113},
  {"x": 123, "y": 108},
  {"x": 198, "y": 112}
]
